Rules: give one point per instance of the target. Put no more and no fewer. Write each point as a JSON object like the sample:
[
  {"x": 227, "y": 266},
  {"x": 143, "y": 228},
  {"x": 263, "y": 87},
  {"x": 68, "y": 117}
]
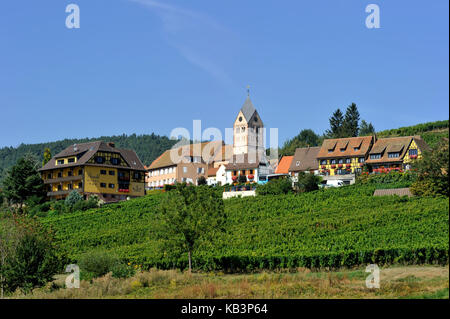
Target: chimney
[{"x": 111, "y": 144}]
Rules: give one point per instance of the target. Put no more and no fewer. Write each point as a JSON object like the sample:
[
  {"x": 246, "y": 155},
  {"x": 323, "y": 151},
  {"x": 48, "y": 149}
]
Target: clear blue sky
[{"x": 147, "y": 66}]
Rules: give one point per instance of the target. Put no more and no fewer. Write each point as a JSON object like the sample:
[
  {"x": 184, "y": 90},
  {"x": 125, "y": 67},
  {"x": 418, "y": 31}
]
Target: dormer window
[
  {"x": 99, "y": 159},
  {"x": 60, "y": 162},
  {"x": 297, "y": 163},
  {"x": 115, "y": 161},
  {"x": 393, "y": 155},
  {"x": 342, "y": 149},
  {"x": 375, "y": 156},
  {"x": 356, "y": 148}
]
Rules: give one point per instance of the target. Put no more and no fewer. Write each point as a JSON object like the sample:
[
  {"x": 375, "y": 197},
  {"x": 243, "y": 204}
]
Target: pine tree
[
  {"x": 336, "y": 124},
  {"x": 350, "y": 126},
  {"x": 366, "y": 129}
]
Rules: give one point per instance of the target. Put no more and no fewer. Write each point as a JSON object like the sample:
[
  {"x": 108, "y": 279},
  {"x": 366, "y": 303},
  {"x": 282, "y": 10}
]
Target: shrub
[
  {"x": 275, "y": 187},
  {"x": 73, "y": 198},
  {"x": 122, "y": 270},
  {"x": 432, "y": 172},
  {"x": 97, "y": 263},
  {"x": 35, "y": 260},
  {"x": 308, "y": 182}
]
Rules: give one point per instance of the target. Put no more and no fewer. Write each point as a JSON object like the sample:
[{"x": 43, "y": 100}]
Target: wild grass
[{"x": 396, "y": 282}]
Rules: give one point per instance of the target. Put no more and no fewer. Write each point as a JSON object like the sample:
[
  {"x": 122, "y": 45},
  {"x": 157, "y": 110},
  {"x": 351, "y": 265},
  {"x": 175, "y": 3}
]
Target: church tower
[{"x": 248, "y": 130}]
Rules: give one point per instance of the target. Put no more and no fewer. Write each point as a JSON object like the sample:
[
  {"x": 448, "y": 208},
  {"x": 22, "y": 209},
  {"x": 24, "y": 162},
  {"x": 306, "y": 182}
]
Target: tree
[
  {"x": 350, "y": 126},
  {"x": 432, "y": 172},
  {"x": 9, "y": 238},
  {"x": 23, "y": 181},
  {"x": 73, "y": 198},
  {"x": 34, "y": 259},
  {"x": 336, "y": 125},
  {"x": 189, "y": 215},
  {"x": 305, "y": 138},
  {"x": 47, "y": 156},
  {"x": 307, "y": 182},
  {"x": 366, "y": 129}
]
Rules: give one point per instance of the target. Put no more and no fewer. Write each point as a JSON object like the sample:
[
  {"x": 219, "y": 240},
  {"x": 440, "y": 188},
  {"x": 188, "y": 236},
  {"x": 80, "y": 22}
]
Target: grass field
[{"x": 395, "y": 282}]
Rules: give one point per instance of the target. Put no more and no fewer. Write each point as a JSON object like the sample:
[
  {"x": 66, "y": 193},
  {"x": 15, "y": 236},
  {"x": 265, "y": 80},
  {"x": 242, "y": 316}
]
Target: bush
[
  {"x": 73, "y": 198},
  {"x": 275, "y": 187},
  {"x": 121, "y": 270},
  {"x": 396, "y": 179},
  {"x": 308, "y": 182},
  {"x": 97, "y": 263},
  {"x": 35, "y": 260}
]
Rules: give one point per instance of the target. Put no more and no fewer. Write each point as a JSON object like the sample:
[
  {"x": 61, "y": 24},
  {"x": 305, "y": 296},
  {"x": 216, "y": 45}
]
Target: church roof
[{"x": 248, "y": 109}]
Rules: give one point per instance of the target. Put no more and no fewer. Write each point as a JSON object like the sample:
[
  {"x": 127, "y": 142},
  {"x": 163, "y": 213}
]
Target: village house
[
  {"x": 95, "y": 168},
  {"x": 186, "y": 163},
  {"x": 304, "y": 160},
  {"x": 395, "y": 153}
]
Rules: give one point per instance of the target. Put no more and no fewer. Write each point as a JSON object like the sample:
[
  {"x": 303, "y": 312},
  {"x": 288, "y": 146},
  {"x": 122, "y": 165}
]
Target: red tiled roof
[
  {"x": 284, "y": 164},
  {"x": 345, "y": 147}
]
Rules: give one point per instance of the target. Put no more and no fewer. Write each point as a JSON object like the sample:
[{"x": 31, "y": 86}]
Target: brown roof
[
  {"x": 331, "y": 148},
  {"x": 85, "y": 151},
  {"x": 217, "y": 150},
  {"x": 284, "y": 164},
  {"x": 394, "y": 191},
  {"x": 212, "y": 171},
  {"x": 243, "y": 161},
  {"x": 307, "y": 158},
  {"x": 400, "y": 144}
]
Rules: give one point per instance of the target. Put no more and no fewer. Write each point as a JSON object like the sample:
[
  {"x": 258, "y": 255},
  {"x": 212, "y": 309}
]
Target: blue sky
[{"x": 142, "y": 66}]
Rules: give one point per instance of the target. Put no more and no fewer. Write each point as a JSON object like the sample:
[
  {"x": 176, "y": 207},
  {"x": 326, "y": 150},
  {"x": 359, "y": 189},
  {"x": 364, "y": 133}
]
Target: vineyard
[{"x": 326, "y": 228}]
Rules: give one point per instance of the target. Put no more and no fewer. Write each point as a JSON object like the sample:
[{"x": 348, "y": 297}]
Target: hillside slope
[{"x": 335, "y": 227}]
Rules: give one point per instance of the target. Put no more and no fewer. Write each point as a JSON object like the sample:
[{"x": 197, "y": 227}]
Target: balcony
[
  {"x": 62, "y": 192},
  {"x": 63, "y": 179}
]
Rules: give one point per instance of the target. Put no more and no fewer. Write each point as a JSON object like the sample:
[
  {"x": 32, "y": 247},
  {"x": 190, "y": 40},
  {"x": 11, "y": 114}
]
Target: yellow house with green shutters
[
  {"x": 97, "y": 168},
  {"x": 396, "y": 153}
]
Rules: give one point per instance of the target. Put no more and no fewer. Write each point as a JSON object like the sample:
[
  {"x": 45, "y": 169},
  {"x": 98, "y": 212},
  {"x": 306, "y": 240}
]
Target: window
[
  {"x": 200, "y": 170},
  {"x": 348, "y": 161},
  {"x": 413, "y": 152},
  {"x": 322, "y": 162},
  {"x": 111, "y": 186},
  {"x": 59, "y": 174},
  {"x": 80, "y": 185},
  {"x": 137, "y": 175},
  {"x": 115, "y": 161},
  {"x": 184, "y": 169},
  {"x": 333, "y": 161},
  {"x": 69, "y": 186},
  {"x": 103, "y": 185},
  {"x": 243, "y": 129},
  {"x": 240, "y": 118},
  {"x": 375, "y": 156},
  {"x": 251, "y": 172},
  {"x": 59, "y": 187},
  {"x": 342, "y": 149},
  {"x": 297, "y": 163},
  {"x": 341, "y": 161},
  {"x": 234, "y": 173},
  {"x": 361, "y": 159},
  {"x": 60, "y": 162},
  {"x": 80, "y": 172},
  {"x": 71, "y": 160},
  {"x": 103, "y": 171},
  {"x": 392, "y": 155},
  {"x": 70, "y": 173},
  {"x": 49, "y": 176},
  {"x": 356, "y": 148},
  {"x": 99, "y": 159},
  {"x": 112, "y": 173}
]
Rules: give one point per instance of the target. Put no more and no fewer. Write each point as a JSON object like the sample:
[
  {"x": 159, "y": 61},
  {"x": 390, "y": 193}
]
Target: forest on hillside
[{"x": 147, "y": 146}]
